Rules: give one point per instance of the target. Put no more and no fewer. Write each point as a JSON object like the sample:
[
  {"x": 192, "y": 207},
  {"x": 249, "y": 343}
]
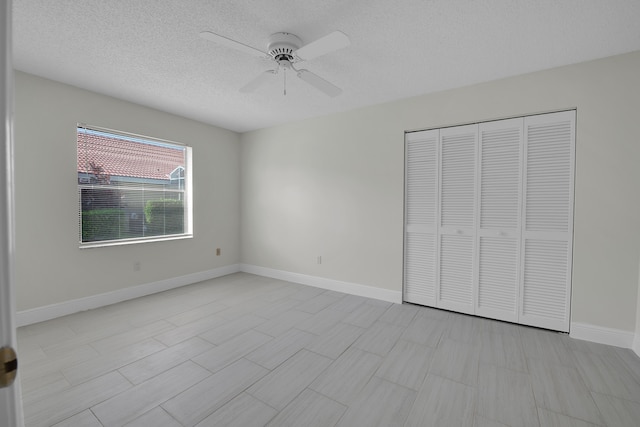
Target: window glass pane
[{"x": 130, "y": 187}]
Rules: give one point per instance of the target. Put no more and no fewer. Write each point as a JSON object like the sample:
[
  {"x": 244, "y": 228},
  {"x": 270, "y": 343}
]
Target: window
[{"x": 131, "y": 188}]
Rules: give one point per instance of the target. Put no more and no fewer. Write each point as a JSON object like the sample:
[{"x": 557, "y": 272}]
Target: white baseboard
[
  {"x": 602, "y": 335},
  {"x": 581, "y": 331},
  {"x": 40, "y": 314},
  {"x": 329, "y": 284}
]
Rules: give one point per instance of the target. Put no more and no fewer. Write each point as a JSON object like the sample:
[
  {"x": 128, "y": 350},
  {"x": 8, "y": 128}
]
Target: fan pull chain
[{"x": 285, "y": 82}]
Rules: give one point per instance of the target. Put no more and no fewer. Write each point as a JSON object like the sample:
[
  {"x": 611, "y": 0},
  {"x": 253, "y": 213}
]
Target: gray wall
[
  {"x": 333, "y": 186},
  {"x": 50, "y": 268}
]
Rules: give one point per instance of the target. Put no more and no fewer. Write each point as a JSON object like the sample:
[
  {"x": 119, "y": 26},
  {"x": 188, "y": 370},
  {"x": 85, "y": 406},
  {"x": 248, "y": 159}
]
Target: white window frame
[{"x": 188, "y": 193}]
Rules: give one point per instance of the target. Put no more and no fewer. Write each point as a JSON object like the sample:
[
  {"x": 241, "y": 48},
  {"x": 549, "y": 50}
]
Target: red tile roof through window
[{"x": 120, "y": 157}]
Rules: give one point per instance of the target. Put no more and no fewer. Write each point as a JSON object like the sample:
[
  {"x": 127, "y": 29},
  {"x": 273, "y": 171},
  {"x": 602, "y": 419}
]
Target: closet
[{"x": 489, "y": 219}]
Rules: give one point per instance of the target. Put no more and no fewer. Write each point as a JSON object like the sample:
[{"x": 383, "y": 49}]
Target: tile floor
[{"x": 245, "y": 350}]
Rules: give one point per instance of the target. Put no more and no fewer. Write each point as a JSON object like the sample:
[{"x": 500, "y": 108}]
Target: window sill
[{"x": 105, "y": 243}]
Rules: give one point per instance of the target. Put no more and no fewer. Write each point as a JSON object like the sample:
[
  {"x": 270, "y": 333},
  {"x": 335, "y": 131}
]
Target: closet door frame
[{"x": 539, "y": 239}]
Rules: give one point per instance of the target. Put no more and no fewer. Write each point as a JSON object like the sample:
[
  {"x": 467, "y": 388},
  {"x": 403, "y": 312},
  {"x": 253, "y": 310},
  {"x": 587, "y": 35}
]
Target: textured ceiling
[{"x": 149, "y": 51}]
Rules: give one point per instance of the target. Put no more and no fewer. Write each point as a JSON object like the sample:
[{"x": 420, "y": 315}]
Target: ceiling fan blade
[
  {"x": 224, "y": 41},
  {"x": 258, "y": 81},
  {"x": 327, "y": 44},
  {"x": 319, "y": 83}
]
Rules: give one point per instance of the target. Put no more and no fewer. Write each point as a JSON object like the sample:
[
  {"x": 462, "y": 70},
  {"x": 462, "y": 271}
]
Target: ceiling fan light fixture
[{"x": 282, "y": 46}]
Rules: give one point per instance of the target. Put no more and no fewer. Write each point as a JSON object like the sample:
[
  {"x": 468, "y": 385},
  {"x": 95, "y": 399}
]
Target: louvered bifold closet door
[
  {"x": 421, "y": 192},
  {"x": 499, "y": 212},
  {"x": 549, "y": 158},
  {"x": 457, "y": 218}
]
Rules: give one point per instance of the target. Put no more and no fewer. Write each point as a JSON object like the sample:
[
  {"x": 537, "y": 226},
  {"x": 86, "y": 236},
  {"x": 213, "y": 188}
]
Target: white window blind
[{"x": 131, "y": 188}]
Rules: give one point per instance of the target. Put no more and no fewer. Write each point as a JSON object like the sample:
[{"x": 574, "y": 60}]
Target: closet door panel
[
  {"x": 457, "y": 185},
  {"x": 549, "y": 150},
  {"x": 498, "y": 278},
  {"x": 546, "y": 279},
  {"x": 499, "y": 213},
  {"x": 456, "y": 273},
  {"x": 421, "y": 192},
  {"x": 458, "y": 152}
]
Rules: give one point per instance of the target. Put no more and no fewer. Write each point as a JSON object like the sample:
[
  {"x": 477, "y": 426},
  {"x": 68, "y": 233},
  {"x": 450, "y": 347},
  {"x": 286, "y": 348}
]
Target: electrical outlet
[
  {"x": 136, "y": 266},
  {"x": 218, "y": 251}
]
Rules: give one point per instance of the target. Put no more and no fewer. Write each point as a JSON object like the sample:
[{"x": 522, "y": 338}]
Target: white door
[
  {"x": 499, "y": 212},
  {"x": 10, "y": 403},
  {"x": 546, "y": 251},
  {"x": 457, "y": 200},
  {"x": 421, "y": 206}
]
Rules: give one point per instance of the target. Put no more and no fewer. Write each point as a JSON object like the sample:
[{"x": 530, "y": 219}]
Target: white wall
[
  {"x": 333, "y": 186},
  {"x": 50, "y": 268}
]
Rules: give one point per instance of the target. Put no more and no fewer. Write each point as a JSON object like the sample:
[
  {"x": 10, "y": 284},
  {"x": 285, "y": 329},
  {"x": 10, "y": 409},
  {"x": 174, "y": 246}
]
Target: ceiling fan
[{"x": 286, "y": 49}]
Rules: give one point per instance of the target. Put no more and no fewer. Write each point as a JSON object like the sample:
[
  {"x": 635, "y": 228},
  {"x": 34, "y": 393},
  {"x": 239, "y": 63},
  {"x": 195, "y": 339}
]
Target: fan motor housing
[{"x": 282, "y": 46}]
